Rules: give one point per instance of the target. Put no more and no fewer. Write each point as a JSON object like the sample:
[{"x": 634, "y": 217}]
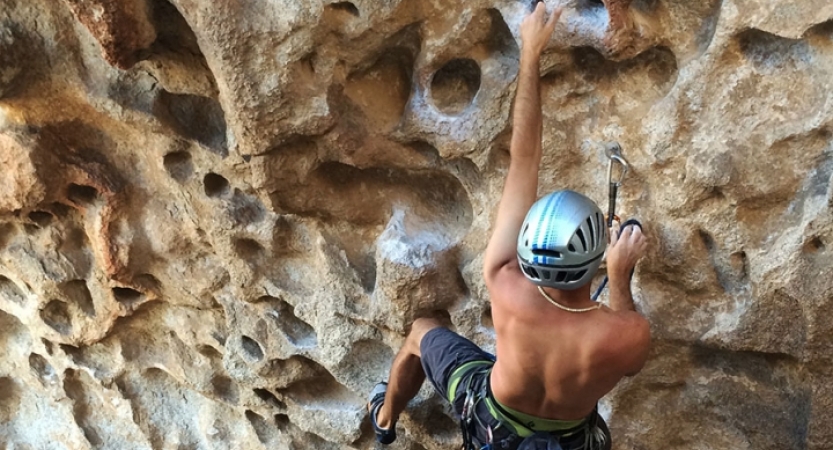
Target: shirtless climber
[{"x": 558, "y": 351}]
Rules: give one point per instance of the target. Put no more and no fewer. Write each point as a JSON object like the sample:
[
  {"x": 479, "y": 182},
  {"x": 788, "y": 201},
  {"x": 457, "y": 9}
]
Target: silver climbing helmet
[{"x": 562, "y": 240}]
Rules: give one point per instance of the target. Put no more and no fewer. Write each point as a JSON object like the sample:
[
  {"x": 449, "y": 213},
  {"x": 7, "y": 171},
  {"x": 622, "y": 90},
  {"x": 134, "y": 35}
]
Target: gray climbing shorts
[{"x": 443, "y": 351}]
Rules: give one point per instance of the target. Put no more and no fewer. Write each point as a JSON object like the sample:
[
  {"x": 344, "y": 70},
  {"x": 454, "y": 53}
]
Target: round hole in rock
[
  {"x": 47, "y": 344},
  {"x": 813, "y": 245},
  {"x": 215, "y": 185},
  {"x": 264, "y": 431},
  {"x": 126, "y": 295},
  {"x": 224, "y": 388},
  {"x": 247, "y": 248},
  {"x": 268, "y": 397},
  {"x": 194, "y": 117},
  {"x": 10, "y": 291},
  {"x": 41, "y": 367},
  {"x": 56, "y": 315},
  {"x": 455, "y": 85},
  {"x": 42, "y": 218},
  {"x": 252, "y": 348},
  {"x": 347, "y": 7},
  {"x": 81, "y": 194},
  {"x": 179, "y": 165},
  {"x": 282, "y": 421}
]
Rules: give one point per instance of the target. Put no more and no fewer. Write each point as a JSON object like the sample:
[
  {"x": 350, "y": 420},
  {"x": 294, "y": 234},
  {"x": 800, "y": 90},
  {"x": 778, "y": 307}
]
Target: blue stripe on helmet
[
  {"x": 540, "y": 223},
  {"x": 546, "y": 215}
]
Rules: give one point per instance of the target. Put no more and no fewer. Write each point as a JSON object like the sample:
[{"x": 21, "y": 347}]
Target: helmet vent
[
  {"x": 571, "y": 247},
  {"x": 561, "y": 277},
  {"x": 577, "y": 276},
  {"x": 531, "y": 272},
  {"x": 592, "y": 233},
  {"x": 600, "y": 231},
  {"x": 580, "y": 235},
  {"x": 547, "y": 253}
]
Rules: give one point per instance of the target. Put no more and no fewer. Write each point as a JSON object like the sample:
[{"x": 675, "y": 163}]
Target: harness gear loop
[{"x": 474, "y": 394}]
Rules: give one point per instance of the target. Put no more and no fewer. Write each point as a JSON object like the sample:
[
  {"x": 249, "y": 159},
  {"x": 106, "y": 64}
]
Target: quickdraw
[
  {"x": 474, "y": 394},
  {"x": 614, "y": 154}
]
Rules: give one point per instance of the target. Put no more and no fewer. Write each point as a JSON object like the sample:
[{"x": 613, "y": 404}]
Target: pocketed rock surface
[{"x": 218, "y": 219}]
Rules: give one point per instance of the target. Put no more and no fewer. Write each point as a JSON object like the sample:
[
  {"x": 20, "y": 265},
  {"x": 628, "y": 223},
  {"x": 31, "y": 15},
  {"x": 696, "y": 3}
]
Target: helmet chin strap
[{"x": 565, "y": 308}]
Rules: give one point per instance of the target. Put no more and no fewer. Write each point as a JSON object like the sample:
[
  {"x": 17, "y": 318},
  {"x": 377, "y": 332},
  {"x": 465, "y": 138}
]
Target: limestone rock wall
[{"x": 218, "y": 218}]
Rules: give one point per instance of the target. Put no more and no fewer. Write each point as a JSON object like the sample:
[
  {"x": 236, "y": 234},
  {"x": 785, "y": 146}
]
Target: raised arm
[{"x": 521, "y": 186}]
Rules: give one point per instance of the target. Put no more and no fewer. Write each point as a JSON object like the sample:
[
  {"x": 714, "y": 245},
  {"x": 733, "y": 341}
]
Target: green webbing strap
[
  {"x": 457, "y": 375},
  {"x": 525, "y": 425}
]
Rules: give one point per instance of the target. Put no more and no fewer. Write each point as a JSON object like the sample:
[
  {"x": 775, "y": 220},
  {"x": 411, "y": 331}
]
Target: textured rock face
[{"x": 218, "y": 219}]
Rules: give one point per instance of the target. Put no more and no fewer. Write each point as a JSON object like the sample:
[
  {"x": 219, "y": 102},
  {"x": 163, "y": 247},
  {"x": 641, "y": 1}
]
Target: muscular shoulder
[
  {"x": 628, "y": 338},
  {"x": 506, "y": 282},
  {"x": 512, "y": 296}
]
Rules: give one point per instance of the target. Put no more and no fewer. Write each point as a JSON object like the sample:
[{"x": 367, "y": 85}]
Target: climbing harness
[
  {"x": 474, "y": 379},
  {"x": 614, "y": 154}
]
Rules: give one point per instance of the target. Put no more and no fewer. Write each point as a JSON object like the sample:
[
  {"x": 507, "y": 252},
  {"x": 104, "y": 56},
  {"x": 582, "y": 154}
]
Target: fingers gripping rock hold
[
  {"x": 537, "y": 28},
  {"x": 627, "y": 245}
]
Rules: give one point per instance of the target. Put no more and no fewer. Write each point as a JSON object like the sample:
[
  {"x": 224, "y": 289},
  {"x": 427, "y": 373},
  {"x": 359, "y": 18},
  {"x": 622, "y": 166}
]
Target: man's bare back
[{"x": 556, "y": 364}]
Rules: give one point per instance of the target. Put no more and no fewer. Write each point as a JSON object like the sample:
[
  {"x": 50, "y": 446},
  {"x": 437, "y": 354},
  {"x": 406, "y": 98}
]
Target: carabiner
[
  {"x": 614, "y": 153},
  {"x": 468, "y": 406}
]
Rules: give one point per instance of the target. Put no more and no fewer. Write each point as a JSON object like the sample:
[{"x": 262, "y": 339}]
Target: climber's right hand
[
  {"x": 536, "y": 29},
  {"x": 624, "y": 251}
]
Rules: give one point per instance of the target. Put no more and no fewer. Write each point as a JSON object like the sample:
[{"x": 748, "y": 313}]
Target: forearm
[
  {"x": 527, "y": 122},
  {"x": 621, "y": 298}
]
